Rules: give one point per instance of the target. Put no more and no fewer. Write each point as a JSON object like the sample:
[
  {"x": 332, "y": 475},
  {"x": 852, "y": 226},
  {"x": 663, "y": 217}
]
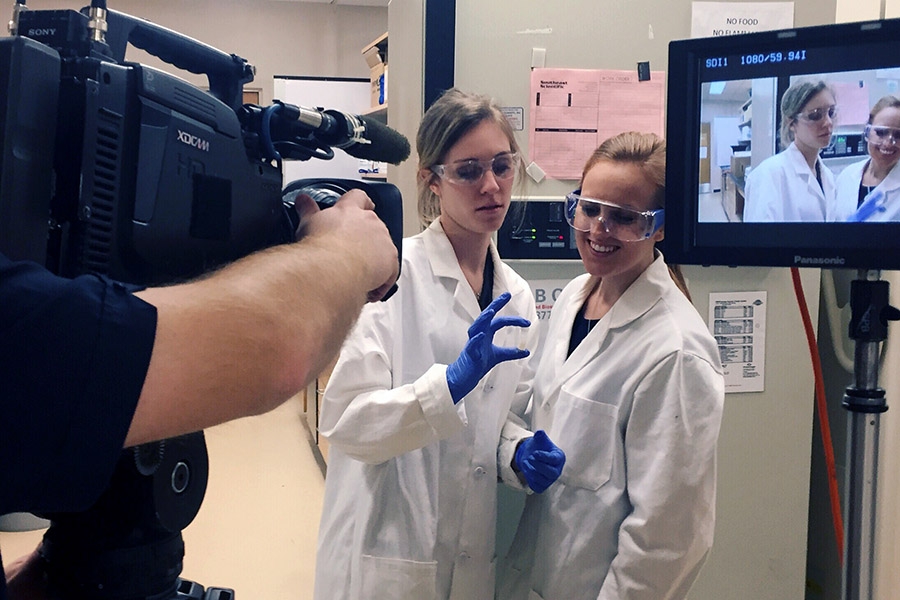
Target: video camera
[
  {"x": 147, "y": 178},
  {"x": 121, "y": 169}
]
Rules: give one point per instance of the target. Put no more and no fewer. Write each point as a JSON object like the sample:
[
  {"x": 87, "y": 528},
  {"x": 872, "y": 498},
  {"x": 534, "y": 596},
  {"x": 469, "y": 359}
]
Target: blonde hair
[
  {"x": 452, "y": 116},
  {"x": 795, "y": 98},
  {"x": 884, "y": 102},
  {"x": 647, "y": 151}
]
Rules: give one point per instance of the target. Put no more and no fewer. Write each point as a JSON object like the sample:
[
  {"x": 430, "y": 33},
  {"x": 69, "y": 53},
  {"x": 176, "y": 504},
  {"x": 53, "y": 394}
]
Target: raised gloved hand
[
  {"x": 540, "y": 461},
  {"x": 480, "y": 355}
]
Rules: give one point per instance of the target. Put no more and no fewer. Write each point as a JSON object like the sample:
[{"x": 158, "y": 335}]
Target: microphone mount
[{"x": 284, "y": 131}]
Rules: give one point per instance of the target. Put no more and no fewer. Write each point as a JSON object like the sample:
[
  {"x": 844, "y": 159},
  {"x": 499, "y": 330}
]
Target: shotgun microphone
[{"x": 359, "y": 136}]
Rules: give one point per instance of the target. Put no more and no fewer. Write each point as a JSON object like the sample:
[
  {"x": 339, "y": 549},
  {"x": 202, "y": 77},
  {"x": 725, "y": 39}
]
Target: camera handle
[
  {"x": 227, "y": 73},
  {"x": 870, "y": 313}
]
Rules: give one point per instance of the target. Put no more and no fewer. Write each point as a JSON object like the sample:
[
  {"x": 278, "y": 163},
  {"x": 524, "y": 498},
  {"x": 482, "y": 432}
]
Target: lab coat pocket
[
  {"x": 397, "y": 579},
  {"x": 585, "y": 430}
]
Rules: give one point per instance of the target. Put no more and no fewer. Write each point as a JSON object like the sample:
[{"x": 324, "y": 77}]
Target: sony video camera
[
  {"x": 117, "y": 168},
  {"x": 141, "y": 175}
]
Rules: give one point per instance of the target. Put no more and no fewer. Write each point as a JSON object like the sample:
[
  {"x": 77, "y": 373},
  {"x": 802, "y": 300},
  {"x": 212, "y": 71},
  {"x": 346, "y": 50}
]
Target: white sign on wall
[
  {"x": 738, "y": 322},
  {"x": 712, "y": 19}
]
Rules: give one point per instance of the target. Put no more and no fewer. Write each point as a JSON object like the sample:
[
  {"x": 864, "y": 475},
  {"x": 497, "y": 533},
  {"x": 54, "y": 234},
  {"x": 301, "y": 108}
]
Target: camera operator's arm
[{"x": 244, "y": 339}]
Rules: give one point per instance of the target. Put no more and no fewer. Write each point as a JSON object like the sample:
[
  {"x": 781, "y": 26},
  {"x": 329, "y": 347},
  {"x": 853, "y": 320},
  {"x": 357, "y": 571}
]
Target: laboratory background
[{"x": 256, "y": 530}]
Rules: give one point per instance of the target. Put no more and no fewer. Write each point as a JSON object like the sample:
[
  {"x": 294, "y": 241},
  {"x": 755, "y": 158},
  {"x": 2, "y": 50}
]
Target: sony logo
[
  {"x": 818, "y": 260},
  {"x": 45, "y": 32},
  {"x": 192, "y": 140}
]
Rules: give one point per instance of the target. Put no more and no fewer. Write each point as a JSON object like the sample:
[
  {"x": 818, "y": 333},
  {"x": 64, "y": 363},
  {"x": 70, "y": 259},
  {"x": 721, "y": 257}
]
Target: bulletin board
[{"x": 498, "y": 42}]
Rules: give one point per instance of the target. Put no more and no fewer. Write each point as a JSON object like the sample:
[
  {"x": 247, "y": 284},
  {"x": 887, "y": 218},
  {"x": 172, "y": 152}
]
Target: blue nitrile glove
[
  {"x": 540, "y": 461},
  {"x": 480, "y": 354},
  {"x": 873, "y": 203}
]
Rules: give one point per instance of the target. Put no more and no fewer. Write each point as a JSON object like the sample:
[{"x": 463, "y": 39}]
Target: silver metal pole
[
  {"x": 865, "y": 401},
  {"x": 862, "y": 474}
]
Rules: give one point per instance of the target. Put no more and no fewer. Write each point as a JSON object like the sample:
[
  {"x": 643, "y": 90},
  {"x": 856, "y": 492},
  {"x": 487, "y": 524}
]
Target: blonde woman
[
  {"x": 419, "y": 437},
  {"x": 631, "y": 388},
  {"x": 869, "y": 190},
  {"x": 795, "y": 185}
]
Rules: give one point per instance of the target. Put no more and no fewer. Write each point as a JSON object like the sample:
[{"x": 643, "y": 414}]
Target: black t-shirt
[{"x": 73, "y": 357}]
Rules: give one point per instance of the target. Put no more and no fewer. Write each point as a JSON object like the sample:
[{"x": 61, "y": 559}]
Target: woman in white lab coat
[
  {"x": 795, "y": 185},
  {"x": 630, "y": 387},
  {"x": 410, "y": 493},
  {"x": 875, "y": 178}
]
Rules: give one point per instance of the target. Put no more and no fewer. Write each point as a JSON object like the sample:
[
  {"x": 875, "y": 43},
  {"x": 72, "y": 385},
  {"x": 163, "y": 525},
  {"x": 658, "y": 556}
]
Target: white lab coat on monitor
[
  {"x": 637, "y": 409},
  {"x": 784, "y": 189},
  {"x": 410, "y": 494},
  {"x": 847, "y": 194}
]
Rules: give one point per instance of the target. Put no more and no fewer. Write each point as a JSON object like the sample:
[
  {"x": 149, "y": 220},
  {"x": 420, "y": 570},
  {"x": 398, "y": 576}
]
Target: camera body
[
  {"x": 145, "y": 178},
  {"x": 117, "y": 168}
]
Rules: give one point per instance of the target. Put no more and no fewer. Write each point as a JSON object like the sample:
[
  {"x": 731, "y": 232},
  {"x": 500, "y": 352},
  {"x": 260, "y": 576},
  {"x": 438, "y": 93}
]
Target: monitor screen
[{"x": 774, "y": 156}]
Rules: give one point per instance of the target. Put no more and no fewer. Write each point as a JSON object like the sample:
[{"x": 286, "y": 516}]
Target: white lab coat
[
  {"x": 410, "y": 495},
  {"x": 784, "y": 188},
  {"x": 847, "y": 194},
  {"x": 637, "y": 409}
]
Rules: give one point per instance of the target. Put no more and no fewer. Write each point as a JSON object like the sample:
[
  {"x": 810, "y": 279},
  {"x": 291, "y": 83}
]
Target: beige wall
[{"x": 277, "y": 37}]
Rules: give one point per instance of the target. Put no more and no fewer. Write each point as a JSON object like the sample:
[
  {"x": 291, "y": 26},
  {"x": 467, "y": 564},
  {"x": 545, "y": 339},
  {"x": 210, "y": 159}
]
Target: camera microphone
[{"x": 357, "y": 135}]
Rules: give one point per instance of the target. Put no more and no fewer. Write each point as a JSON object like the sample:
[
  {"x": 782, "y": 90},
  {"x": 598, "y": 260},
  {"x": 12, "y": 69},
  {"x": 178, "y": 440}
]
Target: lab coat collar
[
  {"x": 639, "y": 298},
  {"x": 892, "y": 181},
  {"x": 798, "y": 163},
  {"x": 440, "y": 252},
  {"x": 444, "y": 265},
  {"x": 641, "y": 295},
  {"x": 821, "y": 193}
]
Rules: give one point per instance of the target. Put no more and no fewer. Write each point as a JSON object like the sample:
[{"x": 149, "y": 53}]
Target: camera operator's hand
[
  {"x": 354, "y": 218},
  {"x": 262, "y": 327}
]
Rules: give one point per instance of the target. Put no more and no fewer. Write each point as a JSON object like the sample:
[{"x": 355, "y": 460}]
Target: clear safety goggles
[
  {"x": 879, "y": 135},
  {"x": 625, "y": 224},
  {"x": 817, "y": 114},
  {"x": 470, "y": 172}
]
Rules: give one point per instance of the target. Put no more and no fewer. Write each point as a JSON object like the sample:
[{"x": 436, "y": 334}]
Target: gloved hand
[
  {"x": 480, "y": 355},
  {"x": 540, "y": 461}
]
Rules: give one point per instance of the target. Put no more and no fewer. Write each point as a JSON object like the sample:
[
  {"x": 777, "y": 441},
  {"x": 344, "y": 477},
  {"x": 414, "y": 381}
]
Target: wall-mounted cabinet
[{"x": 375, "y": 54}]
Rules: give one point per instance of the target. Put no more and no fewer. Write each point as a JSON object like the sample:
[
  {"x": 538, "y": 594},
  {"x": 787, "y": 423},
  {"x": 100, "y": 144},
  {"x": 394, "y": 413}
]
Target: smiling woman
[
  {"x": 628, "y": 369},
  {"x": 870, "y": 189}
]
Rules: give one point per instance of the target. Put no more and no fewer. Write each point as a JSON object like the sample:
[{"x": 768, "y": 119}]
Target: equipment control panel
[{"x": 536, "y": 229}]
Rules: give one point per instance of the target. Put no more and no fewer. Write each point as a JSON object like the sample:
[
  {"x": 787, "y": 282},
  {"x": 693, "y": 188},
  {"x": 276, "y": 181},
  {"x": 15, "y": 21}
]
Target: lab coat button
[
  {"x": 479, "y": 472},
  {"x": 463, "y": 556}
]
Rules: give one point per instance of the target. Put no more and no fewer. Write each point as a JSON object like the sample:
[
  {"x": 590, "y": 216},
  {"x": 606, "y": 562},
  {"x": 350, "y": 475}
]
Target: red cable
[{"x": 822, "y": 410}]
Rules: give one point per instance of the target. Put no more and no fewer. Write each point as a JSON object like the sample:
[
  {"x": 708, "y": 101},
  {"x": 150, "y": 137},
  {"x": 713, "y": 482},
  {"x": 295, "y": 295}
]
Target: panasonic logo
[
  {"x": 818, "y": 260},
  {"x": 45, "y": 32},
  {"x": 192, "y": 140}
]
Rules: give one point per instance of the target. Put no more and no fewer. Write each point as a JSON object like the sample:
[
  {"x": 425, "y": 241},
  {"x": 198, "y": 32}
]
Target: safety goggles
[
  {"x": 470, "y": 172},
  {"x": 879, "y": 135},
  {"x": 817, "y": 114},
  {"x": 625, "y": 224}
]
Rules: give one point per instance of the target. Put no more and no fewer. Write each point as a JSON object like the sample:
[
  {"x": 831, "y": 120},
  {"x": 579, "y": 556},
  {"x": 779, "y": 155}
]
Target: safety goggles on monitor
[
  {"x": 625, "y": 224},
  {"x": 879, "y": 135},
  {"x": 818, "y": 114},
  {"x": 470, "y": 172}
]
